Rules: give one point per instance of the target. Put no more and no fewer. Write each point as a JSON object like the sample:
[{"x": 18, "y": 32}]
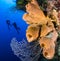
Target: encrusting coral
[{"x": 40, "y": 27}]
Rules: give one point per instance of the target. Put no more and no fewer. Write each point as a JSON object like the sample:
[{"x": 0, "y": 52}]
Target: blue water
[{"x": 7, "y": 12}]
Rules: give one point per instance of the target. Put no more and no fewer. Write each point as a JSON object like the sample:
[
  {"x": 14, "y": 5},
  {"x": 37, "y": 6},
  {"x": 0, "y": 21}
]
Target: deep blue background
[{"x": 7, "y": 12}]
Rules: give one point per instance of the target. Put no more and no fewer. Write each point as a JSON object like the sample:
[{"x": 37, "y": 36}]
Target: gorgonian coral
[{"x": 26, "y": 51}]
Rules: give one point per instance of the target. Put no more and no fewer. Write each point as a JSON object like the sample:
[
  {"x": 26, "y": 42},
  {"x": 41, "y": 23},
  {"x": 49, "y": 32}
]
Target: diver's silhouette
[
  {"x": 8, "y": 24},
  {"x": 16, "y": 27}
]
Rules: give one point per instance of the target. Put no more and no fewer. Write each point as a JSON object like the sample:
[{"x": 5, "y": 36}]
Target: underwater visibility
[
  {"x": 30, "y": 30},
  {"x": 43, "y": 21}
]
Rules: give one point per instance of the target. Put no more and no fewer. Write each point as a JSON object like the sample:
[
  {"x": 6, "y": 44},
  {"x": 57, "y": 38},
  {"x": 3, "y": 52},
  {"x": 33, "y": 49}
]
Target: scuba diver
[
  {"x": 8, "y": 24},
  {"x": 16, "y": 27}
]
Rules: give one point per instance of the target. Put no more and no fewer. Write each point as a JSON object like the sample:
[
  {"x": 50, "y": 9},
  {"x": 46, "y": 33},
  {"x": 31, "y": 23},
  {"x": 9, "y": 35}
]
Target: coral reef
[{"x": 42, "y": 28}]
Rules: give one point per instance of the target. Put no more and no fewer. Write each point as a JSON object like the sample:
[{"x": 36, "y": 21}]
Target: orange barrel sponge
[
  {"x": 45, "y": 42},
  {"x": 34, "y": 15},
  {"x": 49, "y": 53},
  {"x": 45, "y": 30},
  {"x": 28, "y": 19},
  {"x": 37, "y": 12},
  {"x": 32, "y": 33},
  {"x": 33, "y": 20}
]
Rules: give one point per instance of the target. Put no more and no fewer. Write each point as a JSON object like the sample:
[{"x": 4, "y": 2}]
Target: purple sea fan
[{"x": 26, "y": 51}]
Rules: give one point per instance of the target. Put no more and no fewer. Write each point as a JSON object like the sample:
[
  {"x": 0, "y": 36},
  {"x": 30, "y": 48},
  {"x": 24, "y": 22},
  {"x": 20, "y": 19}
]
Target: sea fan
[{"x": 26, "y": 51}]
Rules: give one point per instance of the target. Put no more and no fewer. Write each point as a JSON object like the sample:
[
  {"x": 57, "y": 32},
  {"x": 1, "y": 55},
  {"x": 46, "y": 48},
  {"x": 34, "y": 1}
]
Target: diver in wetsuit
[
  {"x": 8, "y": 24},
  {"x": 16, "y": 27}
]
